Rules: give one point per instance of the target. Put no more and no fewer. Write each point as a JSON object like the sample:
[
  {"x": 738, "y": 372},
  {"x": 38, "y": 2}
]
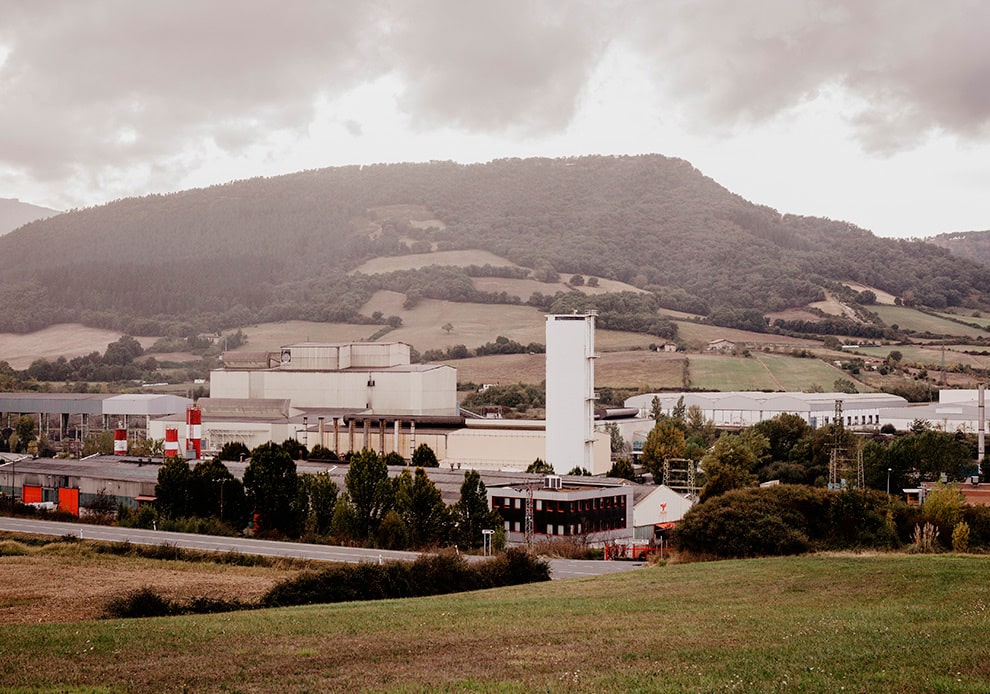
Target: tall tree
[
  {"x": 419, "y": 503},
  {"x": 172, "y": 492},
  {"x": 271, "y": 484},
  {"x": 370, "y": 490},
  {"x": 215, "y": 492},
  {"x": 471, "y": 511},
  {"x": 664, "y": 442},
  {"x": 320, "y": 494}
]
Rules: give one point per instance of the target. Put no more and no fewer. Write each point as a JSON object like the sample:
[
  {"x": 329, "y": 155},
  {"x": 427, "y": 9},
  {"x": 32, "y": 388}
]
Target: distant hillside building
[{"x": 720, "y": 345}]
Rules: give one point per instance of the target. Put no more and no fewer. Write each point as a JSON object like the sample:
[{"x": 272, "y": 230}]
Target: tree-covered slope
[
  {"x": 973, "y": 245},
  {"x": 280, "y": 248}
]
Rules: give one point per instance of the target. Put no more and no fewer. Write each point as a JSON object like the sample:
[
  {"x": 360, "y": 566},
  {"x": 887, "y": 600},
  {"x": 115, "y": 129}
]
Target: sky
[{"x": 875, "y": 112}]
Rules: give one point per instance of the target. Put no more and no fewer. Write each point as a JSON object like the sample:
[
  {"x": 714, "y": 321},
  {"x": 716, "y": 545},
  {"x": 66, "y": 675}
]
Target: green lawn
[{"x": 882, "y": 623}]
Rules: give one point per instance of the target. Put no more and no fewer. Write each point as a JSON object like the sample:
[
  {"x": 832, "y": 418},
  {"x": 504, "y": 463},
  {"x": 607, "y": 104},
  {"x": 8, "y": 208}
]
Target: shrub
[
  {"x": 925, "y": 539},
  {"x": 786, "y": 519},
  {"x": 143, "y": 602},
  {"x": 960, "y": 537},
  {"x": 435, "y": 574}
]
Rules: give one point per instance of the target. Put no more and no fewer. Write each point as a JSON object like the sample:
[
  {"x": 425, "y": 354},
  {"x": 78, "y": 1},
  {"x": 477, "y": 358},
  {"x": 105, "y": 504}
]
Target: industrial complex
[{"x": 348, "y": 397}]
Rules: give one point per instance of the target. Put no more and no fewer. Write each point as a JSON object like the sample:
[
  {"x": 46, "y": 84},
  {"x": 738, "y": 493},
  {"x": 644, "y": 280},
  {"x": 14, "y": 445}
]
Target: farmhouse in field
[{"x": 720, "y": 345}]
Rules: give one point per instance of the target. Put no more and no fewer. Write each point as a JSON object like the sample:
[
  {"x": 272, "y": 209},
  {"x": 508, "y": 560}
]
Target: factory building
[
  {"x": 376, "y": 377},
  {"x": 743, "y": 409}
]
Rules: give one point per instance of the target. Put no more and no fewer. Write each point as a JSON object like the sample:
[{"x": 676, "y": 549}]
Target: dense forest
[{"x": 281, "y": 248}]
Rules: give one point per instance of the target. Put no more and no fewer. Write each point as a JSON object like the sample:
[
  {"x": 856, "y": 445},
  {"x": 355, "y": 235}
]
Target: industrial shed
[
  {"x": 59, "y": 414},
  {"x": 742, "y": 409}
]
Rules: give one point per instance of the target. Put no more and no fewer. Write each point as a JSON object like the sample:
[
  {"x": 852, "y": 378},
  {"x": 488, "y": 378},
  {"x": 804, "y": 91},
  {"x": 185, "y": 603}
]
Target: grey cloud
[
  {"x": 89, "y": 86},
  {"x": 518, "y": 65},
  {"x": 917, "y": 66}
]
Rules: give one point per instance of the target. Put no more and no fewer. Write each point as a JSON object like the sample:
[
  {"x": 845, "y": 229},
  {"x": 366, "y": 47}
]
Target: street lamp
[{"x": 888, "y": 481}]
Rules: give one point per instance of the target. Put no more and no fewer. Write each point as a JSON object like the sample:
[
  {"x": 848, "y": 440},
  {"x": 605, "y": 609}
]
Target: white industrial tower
[{"x": 570, "y": 391}]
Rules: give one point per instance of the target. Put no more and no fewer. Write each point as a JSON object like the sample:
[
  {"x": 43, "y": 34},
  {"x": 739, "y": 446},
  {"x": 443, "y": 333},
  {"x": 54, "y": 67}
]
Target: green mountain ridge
[{"x": 280, "y": 248}]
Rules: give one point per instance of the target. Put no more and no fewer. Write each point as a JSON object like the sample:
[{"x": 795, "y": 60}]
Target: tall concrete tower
[{"x": 570, "y": 391}]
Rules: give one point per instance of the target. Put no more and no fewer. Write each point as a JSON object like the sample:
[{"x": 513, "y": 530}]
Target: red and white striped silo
[
  {"x": 194, "y": 430},
  {"x": 172, "y": 443},
  {"x": 120, "y": 441}
]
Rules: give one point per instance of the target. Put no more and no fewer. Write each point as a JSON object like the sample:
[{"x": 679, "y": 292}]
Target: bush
[
  {"x": 786, "y": 519},
  {"x": 143, "y": 602},
  {"x": 435, "y": 574}
]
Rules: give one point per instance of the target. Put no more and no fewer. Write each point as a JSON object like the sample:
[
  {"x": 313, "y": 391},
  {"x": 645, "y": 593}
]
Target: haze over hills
[
  {"x": 974, "y": 245},
  {"x": 14, "y": 213},
  {"x": 281, "y": 248}
]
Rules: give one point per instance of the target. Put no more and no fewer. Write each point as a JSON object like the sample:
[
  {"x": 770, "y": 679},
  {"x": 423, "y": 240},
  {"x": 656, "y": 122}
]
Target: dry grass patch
[
  {"x": 70, "y": 582},
  {"x": 66, "y": 340}
]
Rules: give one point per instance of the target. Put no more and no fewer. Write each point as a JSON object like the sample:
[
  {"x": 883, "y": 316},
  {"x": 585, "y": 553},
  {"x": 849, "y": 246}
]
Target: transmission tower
[
  {"x": 680, "y": 475},
  {"x": 836, "y": 457}
]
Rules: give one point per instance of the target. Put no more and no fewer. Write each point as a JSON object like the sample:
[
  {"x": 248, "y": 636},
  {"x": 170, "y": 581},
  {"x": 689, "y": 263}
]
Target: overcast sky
[{"x": 871, "y": 111}]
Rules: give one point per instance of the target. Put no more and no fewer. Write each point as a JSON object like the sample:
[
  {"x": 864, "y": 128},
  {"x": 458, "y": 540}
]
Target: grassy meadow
[
  {"x": 910, "y": 319},
  {"x": 878, "y": 623}
]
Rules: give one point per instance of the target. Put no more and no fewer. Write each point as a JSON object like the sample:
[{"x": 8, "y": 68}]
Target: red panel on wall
[
  {"x": 31, "y": 494},
  {"x": 68, "y": 500}
]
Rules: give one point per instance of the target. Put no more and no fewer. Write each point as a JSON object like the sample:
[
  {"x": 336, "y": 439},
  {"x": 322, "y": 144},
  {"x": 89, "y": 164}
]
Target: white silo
[{"x": 570, "y": 391}]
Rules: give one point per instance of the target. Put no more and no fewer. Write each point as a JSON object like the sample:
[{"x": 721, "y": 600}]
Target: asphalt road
[{"x": 559, "y": 568}]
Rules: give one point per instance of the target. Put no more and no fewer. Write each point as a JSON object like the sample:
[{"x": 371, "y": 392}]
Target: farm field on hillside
[
  {"x": 68, "y": 340},
  {"x": 697, "y": 335},
  {"x": 932, "y": 356},
  {"x": 525, "y": 288},
  {"x": 473, "y": 324},
  {"x": 720, "y": 372},
  {"x": 635, "y": 369},
  {"x": 880, "y": 623},
  {"x": 794, "y": 374},
  {"x": 908, "y": 318},
  {"x": 882, "y": 296},
  {"x": 271, "y": 336},
  {"x": 417, "y": 260}
]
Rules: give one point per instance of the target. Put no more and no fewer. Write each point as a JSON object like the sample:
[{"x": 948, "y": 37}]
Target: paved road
[{"x": 559, "y": 568}]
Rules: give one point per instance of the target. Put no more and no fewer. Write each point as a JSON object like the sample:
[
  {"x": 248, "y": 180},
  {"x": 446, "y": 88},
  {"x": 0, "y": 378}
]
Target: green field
[
  {"x": 909, "y": 319},
  {"x": 793, "y": 374},
  {"x": 761, "y": 371},
  {"x": 881, "y": 623},
  {"x": 932, "y": 356}
]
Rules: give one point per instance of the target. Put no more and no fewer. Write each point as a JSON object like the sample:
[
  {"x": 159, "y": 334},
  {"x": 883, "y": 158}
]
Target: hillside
[
  {"x": 281, "y": 248},
  {"x": 974, "y": 245},
  {"x": 14, "y": 213}
]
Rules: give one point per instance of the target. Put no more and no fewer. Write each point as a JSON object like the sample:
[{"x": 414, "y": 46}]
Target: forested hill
[
  {"x": 974, "y": 245},
  {"x": 280, "y": 248}
]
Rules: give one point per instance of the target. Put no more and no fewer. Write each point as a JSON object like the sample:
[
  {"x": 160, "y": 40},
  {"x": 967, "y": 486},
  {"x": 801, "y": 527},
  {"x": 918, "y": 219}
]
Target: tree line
[{"x": 274, "y": 500}]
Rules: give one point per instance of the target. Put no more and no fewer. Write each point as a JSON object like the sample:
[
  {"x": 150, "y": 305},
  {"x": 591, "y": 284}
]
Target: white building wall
[
  {"x": 429, "y": 392},
  {"x": 570, "y": 391}
]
